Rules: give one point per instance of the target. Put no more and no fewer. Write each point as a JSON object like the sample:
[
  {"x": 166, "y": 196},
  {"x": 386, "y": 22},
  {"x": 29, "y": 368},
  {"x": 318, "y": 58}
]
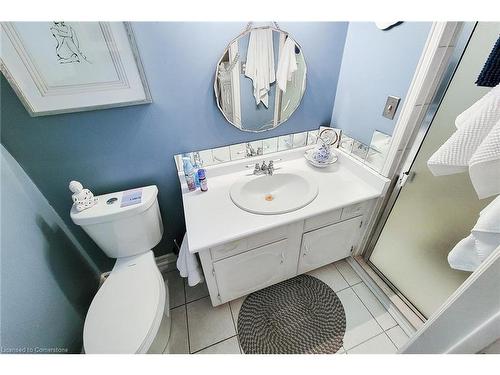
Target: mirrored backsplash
[
  {"x": 251, "y": 149},
  {"x": 373, "y": 155}
]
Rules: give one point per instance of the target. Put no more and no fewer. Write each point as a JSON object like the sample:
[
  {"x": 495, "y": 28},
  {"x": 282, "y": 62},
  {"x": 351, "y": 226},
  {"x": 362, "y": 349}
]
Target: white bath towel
[
  {"x": 473, "y": 126},
  {"x": 464, "y": 256},
  {"x": 470, "y": 252},
  {"x": 188, "y": 264},
  {"x": 484, "y": 165},
  {"x": 260, "y": 64},
  {"x": 463, "y": 118},
  {"x": 486, "y": 232},
  {"x": 475, "y": 146},
  {"x": 287, "y": 64}
]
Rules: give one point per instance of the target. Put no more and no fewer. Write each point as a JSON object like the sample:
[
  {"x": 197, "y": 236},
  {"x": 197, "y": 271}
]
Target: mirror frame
[{"x": 226, "y": 50}]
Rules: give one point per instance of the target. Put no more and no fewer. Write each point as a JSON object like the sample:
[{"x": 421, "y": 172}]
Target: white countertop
[{"x": 213, "y": 219}]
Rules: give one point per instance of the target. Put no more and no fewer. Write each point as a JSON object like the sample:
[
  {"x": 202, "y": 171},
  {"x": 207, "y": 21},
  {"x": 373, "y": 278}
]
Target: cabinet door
[
  {"x": 253, "y": 270},
  {"x": 328, "y": 244}
]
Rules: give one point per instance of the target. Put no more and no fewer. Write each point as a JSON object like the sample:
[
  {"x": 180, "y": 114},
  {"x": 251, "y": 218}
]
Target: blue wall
[
  {"x": 46, "y": 281},
  {"x": 116, "y": 149},
  {"x": 375, "y": 64}
]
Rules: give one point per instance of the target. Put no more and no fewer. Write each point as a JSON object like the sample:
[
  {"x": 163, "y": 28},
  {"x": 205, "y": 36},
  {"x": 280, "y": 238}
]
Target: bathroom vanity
[{"x": 242, "y": 251}]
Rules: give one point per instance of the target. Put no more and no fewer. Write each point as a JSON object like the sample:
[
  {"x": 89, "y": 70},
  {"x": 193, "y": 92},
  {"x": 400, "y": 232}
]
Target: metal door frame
[{"x": 404, "y": 166}]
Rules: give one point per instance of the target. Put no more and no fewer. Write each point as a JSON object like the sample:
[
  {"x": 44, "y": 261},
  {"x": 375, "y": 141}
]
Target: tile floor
[{"x": 198, "y": 327}]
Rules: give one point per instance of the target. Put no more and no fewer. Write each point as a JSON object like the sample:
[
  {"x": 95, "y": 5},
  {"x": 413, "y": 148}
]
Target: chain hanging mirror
[{"x": 260, "y": 78}]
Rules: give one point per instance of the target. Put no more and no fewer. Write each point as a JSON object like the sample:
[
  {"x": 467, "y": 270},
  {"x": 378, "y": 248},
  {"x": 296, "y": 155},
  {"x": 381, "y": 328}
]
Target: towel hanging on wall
[{"x": 490, "y": 74}]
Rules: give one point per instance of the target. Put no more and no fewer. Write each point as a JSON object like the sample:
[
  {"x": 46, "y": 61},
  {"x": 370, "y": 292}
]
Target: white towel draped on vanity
[
  {"x": 475, "y": 146},
  {"x": 287, "y": 64},
  {"x": 188, "y": 264},
  {"x": 260, "y": 64}
]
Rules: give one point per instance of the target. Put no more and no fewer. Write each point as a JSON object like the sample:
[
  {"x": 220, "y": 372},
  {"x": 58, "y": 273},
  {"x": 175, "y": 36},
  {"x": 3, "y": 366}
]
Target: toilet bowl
[{"x": 130, "y": 312}]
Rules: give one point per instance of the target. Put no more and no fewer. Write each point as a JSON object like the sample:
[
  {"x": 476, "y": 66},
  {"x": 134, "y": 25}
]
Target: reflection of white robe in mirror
[
  {"x": 260, "y": 64},
  {"x": 287, "y": 64}
]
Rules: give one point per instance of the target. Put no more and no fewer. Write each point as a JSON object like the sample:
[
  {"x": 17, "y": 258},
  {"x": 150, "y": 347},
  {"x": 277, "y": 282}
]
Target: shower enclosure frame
[{"x": 408, "y": 136}]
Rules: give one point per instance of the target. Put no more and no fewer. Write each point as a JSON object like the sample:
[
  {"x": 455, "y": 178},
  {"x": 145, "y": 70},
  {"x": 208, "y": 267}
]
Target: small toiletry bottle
[
  {"x": 189, "y": 173},
  {"x": 197, "y": 165},
  {"x": 203, "y": 179}
]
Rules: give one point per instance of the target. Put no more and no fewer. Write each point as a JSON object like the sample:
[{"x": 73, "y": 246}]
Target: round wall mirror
[{"x": 260, "y": 79}]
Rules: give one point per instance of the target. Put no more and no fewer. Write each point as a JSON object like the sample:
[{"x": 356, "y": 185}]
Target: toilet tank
[{"x": 125, "y": 223}]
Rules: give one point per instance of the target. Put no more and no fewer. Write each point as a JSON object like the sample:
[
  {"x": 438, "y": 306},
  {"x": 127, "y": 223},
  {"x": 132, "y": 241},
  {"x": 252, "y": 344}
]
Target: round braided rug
[{"x": 300, "y": 315}]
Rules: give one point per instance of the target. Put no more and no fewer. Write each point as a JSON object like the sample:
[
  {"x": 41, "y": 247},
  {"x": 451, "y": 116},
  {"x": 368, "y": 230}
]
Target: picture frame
[{"x": 62, "y": 67}]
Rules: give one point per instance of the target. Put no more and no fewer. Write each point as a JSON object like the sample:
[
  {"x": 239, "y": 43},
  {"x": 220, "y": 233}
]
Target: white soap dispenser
[{"x": 82, "y": 198}]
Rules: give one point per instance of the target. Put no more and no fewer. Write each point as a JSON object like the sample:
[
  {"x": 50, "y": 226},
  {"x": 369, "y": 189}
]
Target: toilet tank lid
[{"x": 117, "y": 205}]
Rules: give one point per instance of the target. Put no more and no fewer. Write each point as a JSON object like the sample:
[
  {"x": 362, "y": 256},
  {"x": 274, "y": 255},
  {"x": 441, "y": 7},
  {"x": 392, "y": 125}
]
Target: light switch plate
[{"x": 391, "y": 106}]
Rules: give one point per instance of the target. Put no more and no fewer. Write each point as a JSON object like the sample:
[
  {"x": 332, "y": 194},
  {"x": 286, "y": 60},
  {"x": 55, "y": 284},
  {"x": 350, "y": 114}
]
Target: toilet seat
[{"x": 127, "y": 310}]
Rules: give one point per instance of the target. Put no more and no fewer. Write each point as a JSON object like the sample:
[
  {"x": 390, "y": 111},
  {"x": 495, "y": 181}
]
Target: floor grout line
[
  {"x": 340, "y": 273},
  {"x": 347, "y": 282},
  {"x": 187, "y": 318},
  {"x": 367, "y": 309},
  {"x": 187, "y": 303},
  {"x": 369, "y": 312},
  {"x": 395, "y": 325},
  {"x": 374, "y": 317},
  {"x": 197, "y": 299},
  {"x": 393, "y": 343},
  {"x": 215, "y": 343},
  {"x": 232, "y": 317},
  {"x": 341, "y": 290},
  {"x": 235, "y": 326},
  {"x": 361, "y": 343}
]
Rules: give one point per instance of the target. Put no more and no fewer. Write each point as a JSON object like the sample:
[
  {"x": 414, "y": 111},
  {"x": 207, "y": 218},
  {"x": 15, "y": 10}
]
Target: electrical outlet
[{"x": 391, "y": 106}]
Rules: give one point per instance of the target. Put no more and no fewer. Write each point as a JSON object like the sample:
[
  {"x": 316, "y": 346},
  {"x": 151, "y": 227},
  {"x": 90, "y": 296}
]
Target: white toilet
[{"x": 130, "y": 312}]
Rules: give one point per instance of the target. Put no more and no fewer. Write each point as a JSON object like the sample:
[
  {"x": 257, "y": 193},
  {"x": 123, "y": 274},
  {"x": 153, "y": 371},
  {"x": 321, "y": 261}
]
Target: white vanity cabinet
[
  {"x": 240, "y": 267},
  {"x": 328, "y": 244},
  {"x": 253, "y": 270}
]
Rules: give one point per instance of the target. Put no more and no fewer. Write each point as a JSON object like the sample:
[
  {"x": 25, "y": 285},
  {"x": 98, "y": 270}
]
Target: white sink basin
[{"x": 277, "y": 194}]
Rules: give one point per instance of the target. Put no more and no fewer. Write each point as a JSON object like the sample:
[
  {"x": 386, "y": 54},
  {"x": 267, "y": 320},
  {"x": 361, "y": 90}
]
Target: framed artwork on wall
[{"x": 60, "y": 67}]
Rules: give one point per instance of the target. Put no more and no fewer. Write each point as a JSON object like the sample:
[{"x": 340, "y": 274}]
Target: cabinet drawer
[
  {"x": 328, "y": 244},
  {"x": 253, "y": 270},
  {"x": 354, "y": 210},
  {"x": 322, "y": 220},
  {"x": 248, "y": 243}
]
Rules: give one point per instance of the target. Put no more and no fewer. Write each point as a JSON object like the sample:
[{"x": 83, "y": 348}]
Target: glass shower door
[{"x": 431, "y": 214}]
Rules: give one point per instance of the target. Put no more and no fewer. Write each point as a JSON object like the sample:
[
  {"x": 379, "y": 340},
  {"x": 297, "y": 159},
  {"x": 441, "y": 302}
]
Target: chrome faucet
[
  {"x": 250, "y": 151},
  {"x": 267, "y": 169},
  {"x": 270, "y": 168}
]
